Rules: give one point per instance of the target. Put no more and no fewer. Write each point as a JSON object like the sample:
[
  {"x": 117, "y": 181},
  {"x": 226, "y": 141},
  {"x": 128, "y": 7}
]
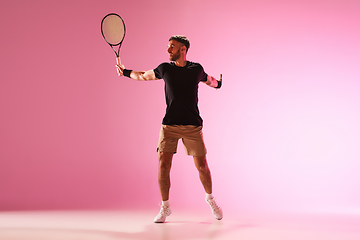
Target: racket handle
[{"x": 118, "y": 61}]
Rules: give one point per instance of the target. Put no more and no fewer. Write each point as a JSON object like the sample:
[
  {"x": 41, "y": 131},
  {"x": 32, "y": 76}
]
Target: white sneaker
[
  {"x": 216, "y": 210},
  {"x": 165, "y": 211}
]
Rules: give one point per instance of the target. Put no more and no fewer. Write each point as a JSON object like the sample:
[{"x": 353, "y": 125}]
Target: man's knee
[
  {"x": 165, "y": 159},
  {"x": 201, "y": 164}
]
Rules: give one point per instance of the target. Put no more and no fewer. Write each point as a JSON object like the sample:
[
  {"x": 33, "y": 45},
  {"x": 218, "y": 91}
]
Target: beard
[{"x": 175, "y": 56}]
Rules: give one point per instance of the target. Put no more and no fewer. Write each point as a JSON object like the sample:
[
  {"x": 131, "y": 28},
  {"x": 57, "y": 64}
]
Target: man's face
[{"x": 174, "y": 48}]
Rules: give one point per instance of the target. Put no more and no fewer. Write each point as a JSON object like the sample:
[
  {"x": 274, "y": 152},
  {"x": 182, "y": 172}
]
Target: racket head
[{"x": 113, "y": 29}]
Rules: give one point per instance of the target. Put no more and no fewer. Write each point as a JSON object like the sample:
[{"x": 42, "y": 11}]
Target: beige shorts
[{"x": 192, "y": 138}]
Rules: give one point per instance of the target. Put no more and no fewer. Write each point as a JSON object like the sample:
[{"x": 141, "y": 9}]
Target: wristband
[
  {"x": 127, "y": 72},
  {"x": 219, "y": 84}
]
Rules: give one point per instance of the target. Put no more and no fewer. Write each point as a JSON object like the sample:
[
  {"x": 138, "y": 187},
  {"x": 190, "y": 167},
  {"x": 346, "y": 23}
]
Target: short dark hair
[{"x": 181, "y": 39}]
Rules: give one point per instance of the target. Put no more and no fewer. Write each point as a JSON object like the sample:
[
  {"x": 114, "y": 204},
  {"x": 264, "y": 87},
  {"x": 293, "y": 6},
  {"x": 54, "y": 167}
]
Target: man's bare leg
[
  {"x": 204, "y": 173},
  {"x": 205, "y": 178},
  {"x": 165, "y": 161}
]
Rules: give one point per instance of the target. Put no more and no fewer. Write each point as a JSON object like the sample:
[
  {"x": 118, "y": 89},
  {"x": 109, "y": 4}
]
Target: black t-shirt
[{"x": 181, "y": 92}]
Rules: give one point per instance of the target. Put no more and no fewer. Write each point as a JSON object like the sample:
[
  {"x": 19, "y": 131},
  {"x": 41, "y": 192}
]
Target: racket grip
[{"x": 118, "y": 61}]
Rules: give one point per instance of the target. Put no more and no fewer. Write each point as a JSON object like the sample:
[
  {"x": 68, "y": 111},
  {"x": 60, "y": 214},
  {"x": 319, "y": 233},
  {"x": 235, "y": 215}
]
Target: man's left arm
[{"x": 212, "y": 82}]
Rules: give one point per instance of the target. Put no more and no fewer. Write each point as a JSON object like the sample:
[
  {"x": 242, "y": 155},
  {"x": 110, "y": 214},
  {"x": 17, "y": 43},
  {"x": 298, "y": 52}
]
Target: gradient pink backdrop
[{"x": 282, "y": 134}]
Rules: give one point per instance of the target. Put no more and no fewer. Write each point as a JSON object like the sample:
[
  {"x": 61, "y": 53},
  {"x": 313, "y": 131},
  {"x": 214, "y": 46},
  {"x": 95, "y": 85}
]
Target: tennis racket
[{"x": 113, "y": 30}]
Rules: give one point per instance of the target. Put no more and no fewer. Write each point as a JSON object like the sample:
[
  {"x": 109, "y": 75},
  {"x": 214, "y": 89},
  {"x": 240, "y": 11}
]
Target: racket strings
[{"x": 113, "y": 29}]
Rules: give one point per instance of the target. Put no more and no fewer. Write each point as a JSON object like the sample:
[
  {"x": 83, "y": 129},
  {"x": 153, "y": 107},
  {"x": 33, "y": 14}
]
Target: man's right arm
[
  {"x": 137, "y": 75},
  {"x": 142, "y": 75}
]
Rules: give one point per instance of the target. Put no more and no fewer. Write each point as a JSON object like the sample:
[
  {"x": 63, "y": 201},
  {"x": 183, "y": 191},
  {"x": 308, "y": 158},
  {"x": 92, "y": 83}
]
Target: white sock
[
  {"x": 166, "y": 203},
  {"x": 209, "y": 196}
]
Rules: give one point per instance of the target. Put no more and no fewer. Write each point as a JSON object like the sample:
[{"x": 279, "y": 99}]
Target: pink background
[{"x": 282, "y": 134}]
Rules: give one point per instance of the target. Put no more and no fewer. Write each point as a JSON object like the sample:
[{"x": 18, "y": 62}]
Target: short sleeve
[
  {"x": 203, "y": 75},
  {"x": 159, "y": 71}
]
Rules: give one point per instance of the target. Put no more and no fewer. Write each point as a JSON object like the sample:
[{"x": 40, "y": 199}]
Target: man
[{"x": 182, "y": 118}]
